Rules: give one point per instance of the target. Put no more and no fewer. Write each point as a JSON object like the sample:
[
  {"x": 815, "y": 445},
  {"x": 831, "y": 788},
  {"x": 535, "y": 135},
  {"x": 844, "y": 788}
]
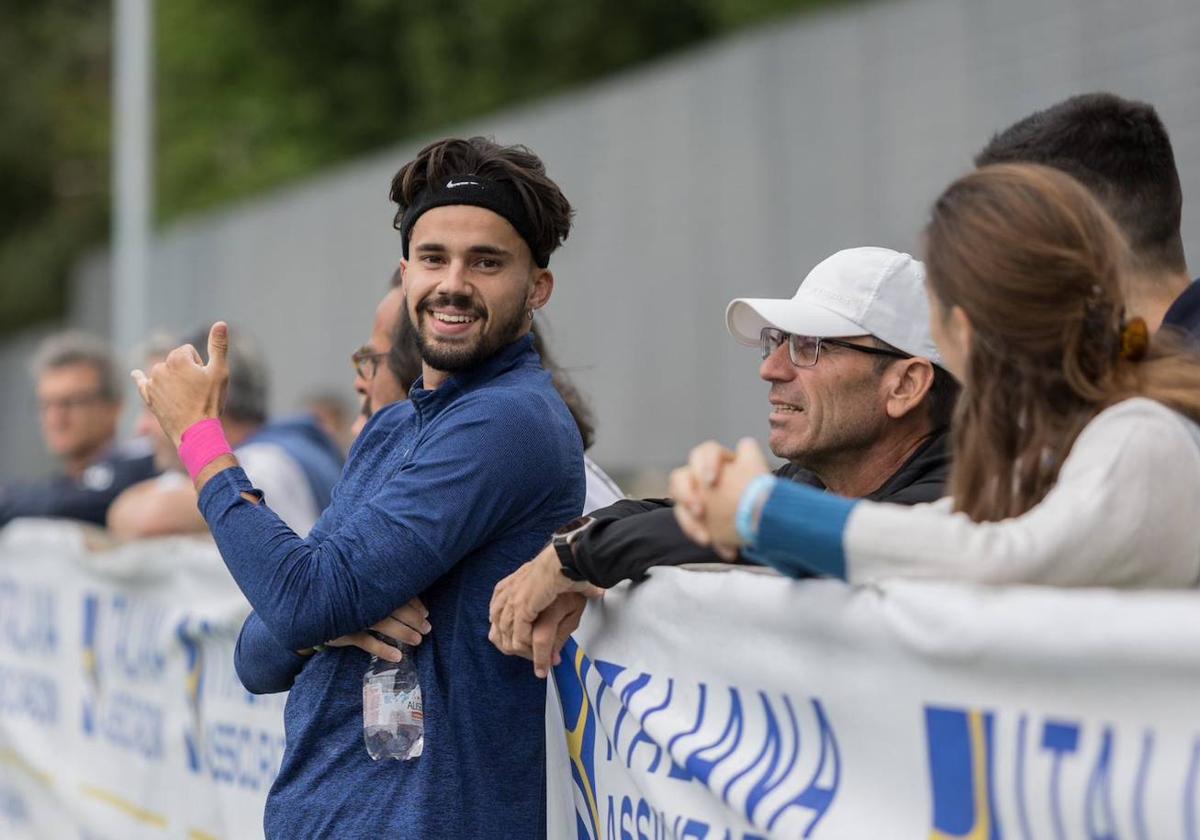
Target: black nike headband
[{"x": 499, "y": 197}]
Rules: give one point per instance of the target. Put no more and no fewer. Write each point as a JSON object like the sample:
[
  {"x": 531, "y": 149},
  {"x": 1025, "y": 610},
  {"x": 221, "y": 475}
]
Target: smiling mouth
[
  {"x": 447, "y": 318},
  {"x": 785, "y": 408}
]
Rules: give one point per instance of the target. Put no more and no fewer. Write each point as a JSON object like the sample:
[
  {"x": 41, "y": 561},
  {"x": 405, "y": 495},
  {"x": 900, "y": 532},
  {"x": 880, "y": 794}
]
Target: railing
[
  {"x": 699, "y": 704},
  {"x": 740, "y": 705},
  {"x": 120, "y": 712}
]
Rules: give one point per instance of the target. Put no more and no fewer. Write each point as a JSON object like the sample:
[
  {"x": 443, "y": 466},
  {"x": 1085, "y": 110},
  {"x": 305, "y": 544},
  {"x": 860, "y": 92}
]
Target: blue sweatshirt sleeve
[
  {"x": 487, "y": 464},
  {"x": 800, "y": 530},
  {"x": 263, "y": 665}
]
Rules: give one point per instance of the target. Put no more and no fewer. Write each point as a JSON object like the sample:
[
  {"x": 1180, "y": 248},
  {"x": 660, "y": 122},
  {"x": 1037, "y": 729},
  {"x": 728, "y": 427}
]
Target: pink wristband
[{"x": 201, "y": 444}]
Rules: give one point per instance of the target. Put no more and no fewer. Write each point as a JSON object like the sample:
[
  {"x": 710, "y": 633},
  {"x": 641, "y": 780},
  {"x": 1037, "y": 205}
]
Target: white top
[
  {"x": 283, "y": 483},
  {"x": 602, "y": 491},
  {"x": 1123, "y": 513}
]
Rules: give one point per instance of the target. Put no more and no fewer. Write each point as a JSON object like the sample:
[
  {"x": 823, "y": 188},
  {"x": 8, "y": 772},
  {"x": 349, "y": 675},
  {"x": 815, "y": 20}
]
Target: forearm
[
  {"x": 630, "y": 507},
  {"x": 799, "y": 530},
  {"x": 614, "y": 550},
  {"x": 264, "y": 665},
  {"x": 149, "y": 510},
  {"x": 1087, "y": 531},
  {"x": 309, "y": 591}
]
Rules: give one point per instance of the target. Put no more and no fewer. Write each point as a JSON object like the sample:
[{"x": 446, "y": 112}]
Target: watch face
[{"x": 573, "y": 525}]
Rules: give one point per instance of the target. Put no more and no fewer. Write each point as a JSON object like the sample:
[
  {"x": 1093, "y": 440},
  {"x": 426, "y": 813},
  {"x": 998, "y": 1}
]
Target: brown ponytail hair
[{"x": 1036, "y": 265}]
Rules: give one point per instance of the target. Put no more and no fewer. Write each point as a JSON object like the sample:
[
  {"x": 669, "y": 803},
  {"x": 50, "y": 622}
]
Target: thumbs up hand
[{"x": 182, "y": 390}]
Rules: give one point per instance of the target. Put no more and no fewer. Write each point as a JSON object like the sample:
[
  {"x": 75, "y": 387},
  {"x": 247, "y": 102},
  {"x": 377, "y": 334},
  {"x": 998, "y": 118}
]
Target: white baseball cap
[{"x": 859, "y": 291}]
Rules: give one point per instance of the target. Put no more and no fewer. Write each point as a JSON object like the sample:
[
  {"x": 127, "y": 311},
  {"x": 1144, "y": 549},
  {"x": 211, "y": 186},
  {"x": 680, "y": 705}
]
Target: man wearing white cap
[{"x": 859, "y": 405}]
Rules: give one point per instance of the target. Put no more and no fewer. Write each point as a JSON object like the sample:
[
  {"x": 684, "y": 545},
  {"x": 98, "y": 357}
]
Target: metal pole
[{"x": 133, "y": 168}]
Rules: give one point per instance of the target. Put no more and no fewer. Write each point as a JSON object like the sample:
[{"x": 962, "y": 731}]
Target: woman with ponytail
[{"x": 1076, "y": 444}]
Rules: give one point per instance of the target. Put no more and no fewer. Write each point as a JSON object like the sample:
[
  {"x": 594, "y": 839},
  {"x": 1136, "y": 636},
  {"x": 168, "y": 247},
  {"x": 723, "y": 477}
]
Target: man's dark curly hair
[
  {"x": 1117, "y": 148},
  {"x": 548, "y": 209}
]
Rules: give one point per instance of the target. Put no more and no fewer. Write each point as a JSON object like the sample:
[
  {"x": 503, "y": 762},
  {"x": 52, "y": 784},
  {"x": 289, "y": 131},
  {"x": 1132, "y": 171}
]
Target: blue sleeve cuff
[
  {"x": 801, "y": 530},
  {"x": 753, "y": 498},
  {"x": 222, "y": 491}
]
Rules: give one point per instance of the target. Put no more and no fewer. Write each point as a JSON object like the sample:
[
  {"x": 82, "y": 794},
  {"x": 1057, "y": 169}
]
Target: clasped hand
[
  {"x": 408, "y": 624},
  {"x": 708, "y": 489},
  {"x": 535, "y": 609}
]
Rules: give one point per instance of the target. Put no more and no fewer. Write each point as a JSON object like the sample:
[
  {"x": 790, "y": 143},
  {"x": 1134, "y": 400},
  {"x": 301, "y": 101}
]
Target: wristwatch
[{"x": 562, "y": 541}]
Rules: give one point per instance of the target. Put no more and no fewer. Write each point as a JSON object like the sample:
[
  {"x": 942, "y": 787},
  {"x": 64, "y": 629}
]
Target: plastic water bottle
[{"x": 393, "y": 718}]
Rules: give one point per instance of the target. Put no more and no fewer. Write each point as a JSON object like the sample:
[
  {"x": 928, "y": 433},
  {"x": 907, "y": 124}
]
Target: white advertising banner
[
  {"x": 738, "y": 705},
  {"x": 723, "y": 705},
  {"x": 121, "y": 716}
]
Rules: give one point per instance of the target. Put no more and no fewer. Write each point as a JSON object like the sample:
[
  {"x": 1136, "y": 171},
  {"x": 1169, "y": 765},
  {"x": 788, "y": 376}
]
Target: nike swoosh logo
[{"x": 452, "y": 184}]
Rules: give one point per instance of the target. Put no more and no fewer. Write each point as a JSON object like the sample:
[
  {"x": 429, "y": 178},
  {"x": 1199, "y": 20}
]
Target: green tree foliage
[
  {"x": 253, "y": 93},
  {"x": 53, "y": 149}
]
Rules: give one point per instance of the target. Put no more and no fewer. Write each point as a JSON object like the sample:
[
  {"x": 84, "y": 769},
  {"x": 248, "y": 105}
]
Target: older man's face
[
  {"x": 77, "y": 419},
  {"x": 381, "y": 388},
  {"x": 826, "y": 412}
]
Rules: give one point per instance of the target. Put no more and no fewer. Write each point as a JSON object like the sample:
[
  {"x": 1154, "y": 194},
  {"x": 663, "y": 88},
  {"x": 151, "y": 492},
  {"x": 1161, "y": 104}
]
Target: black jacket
[
  {"x": 86, "y": 498},
  {"x": 633, "y": 535}
]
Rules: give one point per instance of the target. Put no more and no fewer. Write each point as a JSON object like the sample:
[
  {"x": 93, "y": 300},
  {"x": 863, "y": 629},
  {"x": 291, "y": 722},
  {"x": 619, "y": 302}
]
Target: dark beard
[{"x": 453, "y": 359}]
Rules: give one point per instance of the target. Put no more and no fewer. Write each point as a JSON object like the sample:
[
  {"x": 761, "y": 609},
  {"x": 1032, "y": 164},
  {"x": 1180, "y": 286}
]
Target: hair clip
[{"x": 1135, "y": 339}]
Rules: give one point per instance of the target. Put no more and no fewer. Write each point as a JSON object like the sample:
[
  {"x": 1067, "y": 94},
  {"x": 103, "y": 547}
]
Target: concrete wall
[{"x": 730, "y": 170}]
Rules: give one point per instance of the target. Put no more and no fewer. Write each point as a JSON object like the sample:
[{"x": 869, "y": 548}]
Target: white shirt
[
  {"x": 602, "y": 491},
  {"x": 1123, "y": 513},
  {"x": 283, "y": 483}
]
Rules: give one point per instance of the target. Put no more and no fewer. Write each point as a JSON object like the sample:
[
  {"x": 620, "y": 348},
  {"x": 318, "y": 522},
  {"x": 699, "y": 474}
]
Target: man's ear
[
  {"x": 908, "y": 383},
  {"x": 543, "y": 287}
]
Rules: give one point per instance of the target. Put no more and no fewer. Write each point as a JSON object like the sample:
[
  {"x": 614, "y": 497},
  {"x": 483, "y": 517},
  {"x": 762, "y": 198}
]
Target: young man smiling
[{"x": 445, "y": 494}]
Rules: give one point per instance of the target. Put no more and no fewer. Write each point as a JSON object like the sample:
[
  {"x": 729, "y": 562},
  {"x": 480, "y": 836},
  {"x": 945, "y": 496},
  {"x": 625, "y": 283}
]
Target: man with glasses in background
[
  {"x": 386, "y": 367},
  {"x": 79, "y": 405},
  {"x": 859, "y": 405}
]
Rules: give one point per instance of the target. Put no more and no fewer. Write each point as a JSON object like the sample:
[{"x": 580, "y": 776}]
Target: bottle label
[
  {"x": 404, "y": 706},
  {"x": 388, "y": 708}
]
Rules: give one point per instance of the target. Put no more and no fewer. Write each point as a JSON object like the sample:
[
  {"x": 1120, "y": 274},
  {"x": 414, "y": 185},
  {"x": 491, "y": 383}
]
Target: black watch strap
[
  {"x": 566, "y": 560},
  {"x": 563, "y": 541}
]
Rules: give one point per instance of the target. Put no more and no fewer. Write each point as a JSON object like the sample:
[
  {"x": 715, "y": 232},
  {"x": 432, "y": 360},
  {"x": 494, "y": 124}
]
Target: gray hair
[
  {"x": 157, "y": 346},
  {"x": 73, "y": 347},
  {"x": 246, "y": 399}
]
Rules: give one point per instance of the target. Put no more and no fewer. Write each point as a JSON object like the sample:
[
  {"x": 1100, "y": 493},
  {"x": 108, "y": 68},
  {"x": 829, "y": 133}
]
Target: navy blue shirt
[
  {"x": 1184, "y": 313},
  {"x": 85, "y": 498},
  {"x": 443, "y": 495}
]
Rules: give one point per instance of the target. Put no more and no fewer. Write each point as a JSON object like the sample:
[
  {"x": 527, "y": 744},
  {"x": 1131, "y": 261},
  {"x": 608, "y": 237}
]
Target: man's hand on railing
[
  {"x": 530, "y": 617},
  {"x": 552, "y": 628}
]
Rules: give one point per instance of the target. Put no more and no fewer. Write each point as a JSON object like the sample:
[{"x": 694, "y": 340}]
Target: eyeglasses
[
  {"x": 71, "y": 403},
  {"x": 804, "y": 350},
  {"x": 366, "y": 362}
]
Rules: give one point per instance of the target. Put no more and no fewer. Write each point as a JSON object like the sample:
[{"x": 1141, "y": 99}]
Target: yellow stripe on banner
[
  {"x": 980, "y": 781},
  {"x": 11, "y": 758},
  {"x": 139, "y": 813},
  {"x": 197, "y": 834},
  {"x": 575, "y": 742}
]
